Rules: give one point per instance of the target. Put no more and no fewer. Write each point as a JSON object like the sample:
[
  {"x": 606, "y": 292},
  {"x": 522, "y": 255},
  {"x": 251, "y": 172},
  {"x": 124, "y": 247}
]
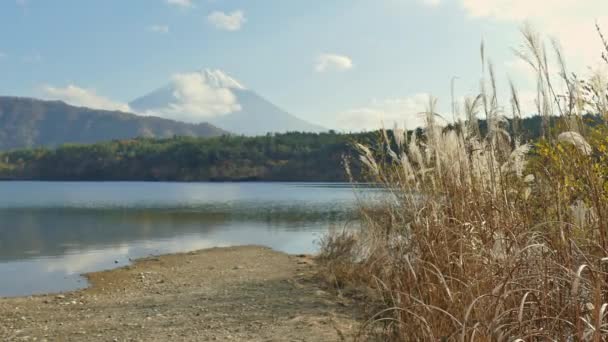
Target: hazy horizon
[{"x": 345, "y": 65}]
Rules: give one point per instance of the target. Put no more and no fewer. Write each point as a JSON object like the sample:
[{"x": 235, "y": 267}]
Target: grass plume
[{"x": 483, "y": 237}]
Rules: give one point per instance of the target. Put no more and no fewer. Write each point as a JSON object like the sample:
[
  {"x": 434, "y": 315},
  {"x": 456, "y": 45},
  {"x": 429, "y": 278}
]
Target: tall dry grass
[{"x": 486, "y": 237}]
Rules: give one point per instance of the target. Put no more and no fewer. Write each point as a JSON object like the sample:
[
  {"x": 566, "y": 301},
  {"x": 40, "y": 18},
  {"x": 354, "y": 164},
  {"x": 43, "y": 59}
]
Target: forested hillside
[
  {"x": 281, "y": 157},
  {"x": 284, "y": 157},
  {"x": 26, "y": 122}
]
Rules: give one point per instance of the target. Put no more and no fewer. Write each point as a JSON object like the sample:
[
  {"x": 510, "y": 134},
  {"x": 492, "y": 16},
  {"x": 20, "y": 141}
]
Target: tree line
[
  {"x": 291, "y": 156},
  {"x": 274, "y": 157}
]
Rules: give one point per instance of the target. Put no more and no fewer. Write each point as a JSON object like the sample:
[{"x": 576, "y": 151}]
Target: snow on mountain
[{"x": 215, "y": 97}]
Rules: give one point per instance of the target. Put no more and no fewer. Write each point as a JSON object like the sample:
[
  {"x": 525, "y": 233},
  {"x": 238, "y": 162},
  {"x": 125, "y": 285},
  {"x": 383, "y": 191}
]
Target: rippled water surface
[{"x": 51, "y": 232}]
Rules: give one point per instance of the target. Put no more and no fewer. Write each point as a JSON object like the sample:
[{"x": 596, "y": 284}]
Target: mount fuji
[{"x": 215, "y": 97}]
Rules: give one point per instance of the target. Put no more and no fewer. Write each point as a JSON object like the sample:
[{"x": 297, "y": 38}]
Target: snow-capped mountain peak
[
  {"x": 211, "y": 95},
  {"x": 219, "y": 79}
]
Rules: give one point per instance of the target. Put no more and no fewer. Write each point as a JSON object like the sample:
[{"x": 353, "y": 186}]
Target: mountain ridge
[{"x": 30, "y": 122}]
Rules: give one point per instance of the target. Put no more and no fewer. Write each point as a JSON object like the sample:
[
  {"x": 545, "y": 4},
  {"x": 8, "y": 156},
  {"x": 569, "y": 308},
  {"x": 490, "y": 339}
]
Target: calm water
[{"x": 52, "y": 232}]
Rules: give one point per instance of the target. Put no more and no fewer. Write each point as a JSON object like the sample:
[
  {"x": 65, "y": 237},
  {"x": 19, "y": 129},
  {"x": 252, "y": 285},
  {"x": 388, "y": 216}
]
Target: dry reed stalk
[{"x": 481, "y": 236}]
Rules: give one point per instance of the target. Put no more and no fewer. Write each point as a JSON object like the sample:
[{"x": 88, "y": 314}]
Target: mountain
[
  {"x": 254, "y": 115},
  {"x": 26, "y": 122}
]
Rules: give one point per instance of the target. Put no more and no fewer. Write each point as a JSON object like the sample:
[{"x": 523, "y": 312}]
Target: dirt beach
[{"x": 241, "y": 294}]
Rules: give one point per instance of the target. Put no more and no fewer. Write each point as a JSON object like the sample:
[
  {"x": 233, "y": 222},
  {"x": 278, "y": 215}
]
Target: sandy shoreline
[{"x": 245, "y": 293}]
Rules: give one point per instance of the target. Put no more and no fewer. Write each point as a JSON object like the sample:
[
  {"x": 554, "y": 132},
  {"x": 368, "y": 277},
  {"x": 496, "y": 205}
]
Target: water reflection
[
  {"x": 50, "y": 233},
  {"x": 62, "y": 271}
]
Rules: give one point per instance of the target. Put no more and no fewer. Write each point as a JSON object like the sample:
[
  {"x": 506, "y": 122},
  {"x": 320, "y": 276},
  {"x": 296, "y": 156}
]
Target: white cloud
[
  {"x": 405, "y": 112},
  {"x": 198, "y": 98},
  {"x": 431, "y": 3},
  {"x": 333, "y": 62},
  {"x": 521, "y": 9},
  {"x": 159, "y": 28},
  {"x": 180, "y": 3},
  {"x": 77, "y": 96},
  {"x": 518, "y": 65},
  {"x": 518, "y": 68},
  {"x": 570, "y": 21},
  {"x": 228, "y": 22}
]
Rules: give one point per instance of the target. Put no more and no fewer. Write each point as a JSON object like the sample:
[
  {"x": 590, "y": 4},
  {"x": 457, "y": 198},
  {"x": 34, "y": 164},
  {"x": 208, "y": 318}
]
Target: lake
[{"x": 52, "y": 232}]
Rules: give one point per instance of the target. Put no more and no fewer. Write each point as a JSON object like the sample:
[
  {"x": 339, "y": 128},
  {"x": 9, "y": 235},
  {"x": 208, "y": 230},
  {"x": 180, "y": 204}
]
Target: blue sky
[{"x": 346, "y": 64}]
